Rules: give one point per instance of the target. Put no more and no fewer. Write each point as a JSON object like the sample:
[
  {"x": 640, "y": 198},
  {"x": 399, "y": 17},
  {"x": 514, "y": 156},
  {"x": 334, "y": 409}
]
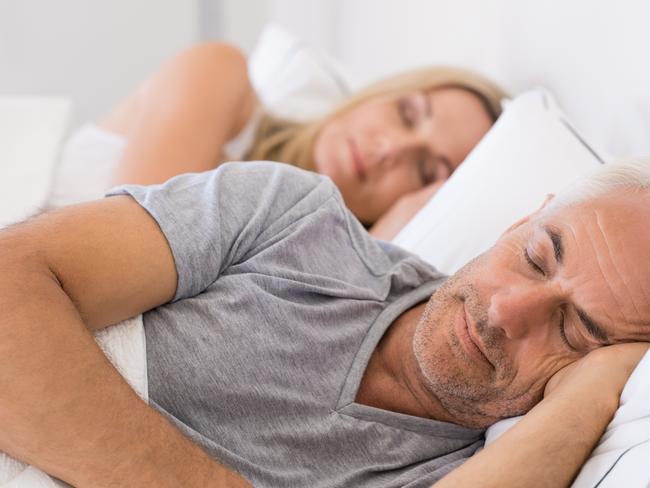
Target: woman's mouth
[{"x": 357, "y": 161}]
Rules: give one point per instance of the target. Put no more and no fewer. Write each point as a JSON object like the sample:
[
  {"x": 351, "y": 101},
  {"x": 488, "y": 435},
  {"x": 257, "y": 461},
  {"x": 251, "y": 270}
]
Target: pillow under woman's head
[{"x": 530, "y": 151}]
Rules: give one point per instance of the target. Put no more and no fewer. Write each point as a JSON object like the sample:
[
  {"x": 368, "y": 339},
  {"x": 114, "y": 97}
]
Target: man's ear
[{"x": 549, "y": 197}]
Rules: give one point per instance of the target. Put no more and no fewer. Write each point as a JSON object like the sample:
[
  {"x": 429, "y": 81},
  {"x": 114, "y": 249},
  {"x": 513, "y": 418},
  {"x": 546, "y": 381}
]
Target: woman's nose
[
  {"x": 517, "y": 311},
  {"x": 393, "y": 147}
]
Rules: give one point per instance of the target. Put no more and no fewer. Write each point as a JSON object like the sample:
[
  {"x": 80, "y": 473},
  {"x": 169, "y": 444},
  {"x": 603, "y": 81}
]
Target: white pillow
[
  {"x": 530, "y": 151},
  {"x": 295, "y": 80},
  {"x": 31, "y": 129}
]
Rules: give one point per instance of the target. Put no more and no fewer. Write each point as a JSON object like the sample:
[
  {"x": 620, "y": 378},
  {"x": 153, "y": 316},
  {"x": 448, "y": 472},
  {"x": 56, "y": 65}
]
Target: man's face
[{"x": 553, "y": 288}]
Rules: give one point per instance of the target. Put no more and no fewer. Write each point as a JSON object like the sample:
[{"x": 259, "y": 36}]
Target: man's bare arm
[
  {"x": 63, "y": 407},
  {"x": 550, "y": 443}
]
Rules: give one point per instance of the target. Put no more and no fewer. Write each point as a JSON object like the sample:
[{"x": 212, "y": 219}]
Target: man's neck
[{"x": 391, "y": 380}]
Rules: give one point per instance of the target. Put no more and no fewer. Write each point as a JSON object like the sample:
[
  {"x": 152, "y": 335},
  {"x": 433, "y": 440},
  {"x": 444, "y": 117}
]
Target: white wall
[
  {"x": 94, "y": 51},
  {"x": 97, "y": 51},
  {"x": 592, "y": 54},
  {"x": 586, "y": 51},
  {"x": 378, "y": 37},
  {"x": 240, "y": 21},
  {"x": 235, "y": 21},
  {"x": 314, "y": 21}
]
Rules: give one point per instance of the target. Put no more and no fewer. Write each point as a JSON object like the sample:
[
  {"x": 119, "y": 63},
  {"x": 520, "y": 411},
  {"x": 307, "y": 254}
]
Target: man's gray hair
[{"x": 631, "y": 175}]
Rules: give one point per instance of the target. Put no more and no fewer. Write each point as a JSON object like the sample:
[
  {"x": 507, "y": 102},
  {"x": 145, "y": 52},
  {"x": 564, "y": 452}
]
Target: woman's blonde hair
[{"x": 291, "y": 142}]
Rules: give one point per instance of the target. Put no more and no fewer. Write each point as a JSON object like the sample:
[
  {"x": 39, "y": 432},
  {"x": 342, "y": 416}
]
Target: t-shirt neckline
[{"x": 346, "y": 403}]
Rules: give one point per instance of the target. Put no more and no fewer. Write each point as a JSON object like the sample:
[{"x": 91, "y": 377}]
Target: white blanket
[{"x": 124, "y": 344}]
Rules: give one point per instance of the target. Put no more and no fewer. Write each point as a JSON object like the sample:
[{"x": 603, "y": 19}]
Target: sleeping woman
[{"x": 388, "y": 148}]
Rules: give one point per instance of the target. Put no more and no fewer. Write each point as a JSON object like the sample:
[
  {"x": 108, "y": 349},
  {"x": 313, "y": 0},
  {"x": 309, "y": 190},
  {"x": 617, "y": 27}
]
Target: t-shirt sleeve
[{"x": 216, "y": 218}]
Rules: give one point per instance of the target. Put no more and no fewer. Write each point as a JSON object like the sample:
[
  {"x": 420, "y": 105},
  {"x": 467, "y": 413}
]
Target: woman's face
[{"x": 390, "y": 145}]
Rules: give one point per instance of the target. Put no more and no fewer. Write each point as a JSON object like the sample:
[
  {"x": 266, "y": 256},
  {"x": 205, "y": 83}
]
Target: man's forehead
[
  {"x": 605, "y": 240},
  {"x": 619, "y": 213}
]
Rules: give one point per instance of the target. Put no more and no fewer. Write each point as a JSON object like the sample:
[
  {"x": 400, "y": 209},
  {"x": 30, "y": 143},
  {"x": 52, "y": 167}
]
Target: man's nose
[{"x": 519, "y": 310}]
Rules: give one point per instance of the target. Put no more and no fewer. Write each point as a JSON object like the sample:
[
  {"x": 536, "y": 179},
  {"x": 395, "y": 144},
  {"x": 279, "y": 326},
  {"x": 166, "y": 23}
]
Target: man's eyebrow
[
  {"x": 596, "y": 331},
  {"x": 556, "y": 239}
]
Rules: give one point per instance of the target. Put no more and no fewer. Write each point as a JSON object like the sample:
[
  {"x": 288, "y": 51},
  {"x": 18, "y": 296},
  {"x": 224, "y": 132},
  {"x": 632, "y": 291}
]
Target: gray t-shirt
[{"x": 282, "y": 298}]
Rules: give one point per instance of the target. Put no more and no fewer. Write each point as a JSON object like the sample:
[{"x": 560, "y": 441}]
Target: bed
[{"x": 582, "y": 101}]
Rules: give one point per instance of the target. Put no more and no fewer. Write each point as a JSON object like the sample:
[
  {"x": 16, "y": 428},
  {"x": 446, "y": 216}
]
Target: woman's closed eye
[
  {"x": 413, "y": 108},
  {"x": 407, "y": 112},
  {"x": 426, "y": 170},
  {"x": 432, "y": 169}
]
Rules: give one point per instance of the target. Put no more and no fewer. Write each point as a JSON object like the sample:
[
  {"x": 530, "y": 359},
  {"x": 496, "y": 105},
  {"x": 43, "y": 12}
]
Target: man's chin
[
  {"x": 476, "y": 421},
  {"x": 469, "y": 395},
  {"x": 481, "y": 409},
  {"x": 471, "y": 391}
]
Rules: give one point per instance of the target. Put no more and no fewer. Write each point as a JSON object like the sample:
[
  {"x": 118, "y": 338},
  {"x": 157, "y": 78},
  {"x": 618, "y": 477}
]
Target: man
[{"x": 297, "y": 351}]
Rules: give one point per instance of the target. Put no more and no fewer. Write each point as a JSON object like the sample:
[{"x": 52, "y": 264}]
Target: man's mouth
[{"x": 469, "y": 337}]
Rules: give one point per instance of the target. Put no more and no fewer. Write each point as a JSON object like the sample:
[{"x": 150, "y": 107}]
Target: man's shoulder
[{"x": 270, "y": 171}]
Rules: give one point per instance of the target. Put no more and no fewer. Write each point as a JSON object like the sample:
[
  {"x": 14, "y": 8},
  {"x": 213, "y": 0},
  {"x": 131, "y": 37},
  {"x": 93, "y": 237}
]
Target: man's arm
[
  {"x": 550, "y": 443},
  {"x": 63, "y": 407}
]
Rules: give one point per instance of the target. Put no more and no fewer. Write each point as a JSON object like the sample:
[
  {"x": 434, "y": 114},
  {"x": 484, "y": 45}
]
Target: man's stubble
[{"x": 473, "y": 394}]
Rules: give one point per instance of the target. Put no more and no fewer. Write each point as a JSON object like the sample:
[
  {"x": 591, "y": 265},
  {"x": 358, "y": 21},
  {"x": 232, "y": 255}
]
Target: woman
[{"x": 387, "y": 149}]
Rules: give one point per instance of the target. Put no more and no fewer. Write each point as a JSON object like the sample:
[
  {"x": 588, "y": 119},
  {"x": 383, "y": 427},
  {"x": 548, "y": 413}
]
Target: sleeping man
[{"x": 286, "y": 348}]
